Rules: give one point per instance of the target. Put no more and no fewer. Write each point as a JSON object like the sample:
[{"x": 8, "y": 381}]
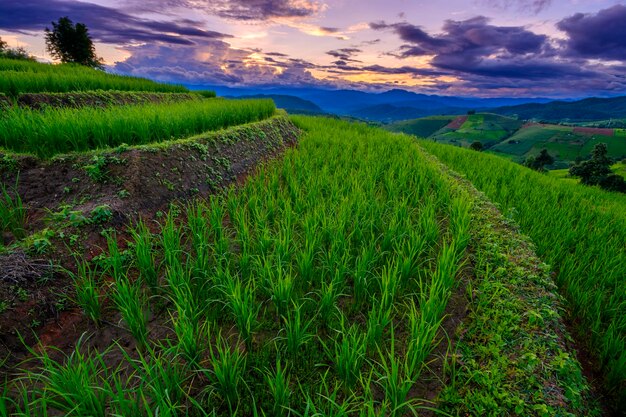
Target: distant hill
[
  {"x": 291, "y": 104},
  {"x": 515, "y": 139},
  {"x": 423, "y": 127},
  {"x": 591, "y": 109},
  {"x": 384, "y": 107}
]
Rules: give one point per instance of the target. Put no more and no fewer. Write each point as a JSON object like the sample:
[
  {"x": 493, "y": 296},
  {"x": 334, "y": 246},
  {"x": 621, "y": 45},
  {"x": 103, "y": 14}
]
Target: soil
[
  {"x": 35, "y": 291},
  {"x": 457, "y": 123}
]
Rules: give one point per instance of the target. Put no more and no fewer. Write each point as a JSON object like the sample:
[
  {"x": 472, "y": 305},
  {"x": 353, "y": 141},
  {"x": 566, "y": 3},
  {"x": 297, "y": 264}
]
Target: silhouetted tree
[
  {"x": 69, "y": 42},
  {"x": 14, "y": 53},
  {"x": 476, "y": 146},
  {"x": 540, "y": 161},
  {"x": 596, "y": 169}
]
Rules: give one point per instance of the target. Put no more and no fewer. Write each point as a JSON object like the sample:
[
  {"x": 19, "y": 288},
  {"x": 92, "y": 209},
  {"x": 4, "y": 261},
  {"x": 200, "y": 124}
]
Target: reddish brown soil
[
  {"x": 594, "y": 131},
  {"x": 38, "y": 296},
  {"x": 457, "y": 123}
]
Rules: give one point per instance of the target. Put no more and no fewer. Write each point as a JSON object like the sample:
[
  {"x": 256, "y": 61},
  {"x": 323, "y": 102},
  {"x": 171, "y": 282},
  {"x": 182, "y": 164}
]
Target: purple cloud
[
  {"x": 601, "y": 35},
  {"x": 106, "y": 24},
  {"x": 259, "y": 9}
]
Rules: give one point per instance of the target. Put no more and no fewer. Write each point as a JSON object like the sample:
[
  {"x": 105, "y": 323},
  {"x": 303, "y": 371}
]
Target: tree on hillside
[
  {"x": 14, "y": 53},
  {"x": 540, "y": 161},
  {"x": 597, "y": 170},
  {"x": 69, "y": 42},
  {"x": 476, "y": 146}
]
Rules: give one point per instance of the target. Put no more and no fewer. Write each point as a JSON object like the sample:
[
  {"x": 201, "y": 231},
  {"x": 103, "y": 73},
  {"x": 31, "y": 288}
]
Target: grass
[
  {"x": 581, "y": 233},
  {"x": 54, "y": 131},
  {"x": 423, "y": 127},
  {"x": 33, "y": 77},
  {"x": 317, "y": 265},
  {"x": 12, "y": 212}
]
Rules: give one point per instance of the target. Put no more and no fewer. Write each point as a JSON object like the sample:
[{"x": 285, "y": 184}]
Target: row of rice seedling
[
  {"x": 581, "y": 232},
  {"x": 317, "y": 288},
  {"x": 34, "y": 77},
  {"x": 61, "y": 130}
]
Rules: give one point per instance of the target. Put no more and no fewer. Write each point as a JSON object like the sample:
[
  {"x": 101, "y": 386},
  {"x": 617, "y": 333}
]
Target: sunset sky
[{"x": 513, "y": 48}]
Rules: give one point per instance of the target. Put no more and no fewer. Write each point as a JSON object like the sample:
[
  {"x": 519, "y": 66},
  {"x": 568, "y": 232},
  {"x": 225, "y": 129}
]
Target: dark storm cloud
[
  {"x": 258, "y": 9},
  {"x": 345, "y": 54},
  {"x": 105, "y": 24},
  {"x": 601, "y": 35}
]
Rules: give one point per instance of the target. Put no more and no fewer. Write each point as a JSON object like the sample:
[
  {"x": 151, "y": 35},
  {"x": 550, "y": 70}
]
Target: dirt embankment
[
  {"x": 130, "y": 183},
  {"x": 39, "y": 101},
  {"x": 457, "y": 123}
]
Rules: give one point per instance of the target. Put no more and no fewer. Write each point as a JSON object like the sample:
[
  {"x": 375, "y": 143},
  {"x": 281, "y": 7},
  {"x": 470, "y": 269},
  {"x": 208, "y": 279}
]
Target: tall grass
[
  {"x": 12, "y": 212},
  {"x": 58, "y": 130},
  {"x": 581, "y": 232},
  {"x": 314, "y": 265},
  {"x": 33, "y": 77}
]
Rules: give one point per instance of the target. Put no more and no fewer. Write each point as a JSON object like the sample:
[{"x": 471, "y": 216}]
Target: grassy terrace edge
[
  {"x": 581, "y": 232},
  {"x": 60, "y": 130},
  {"x": 513, "y": 354}
]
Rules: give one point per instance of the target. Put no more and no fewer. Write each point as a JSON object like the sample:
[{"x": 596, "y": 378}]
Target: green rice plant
[
  {"x": 378, "y": 320},
  {"x": 52, "y": 131},
  {"x": 243, "y": 306},
  {"x": 12, "y": 212},
  {"x": 115, "y": 259},
  {"x": 328, "y": 296},
  {"x": 88, "y": 293},
  {"x": 131, "y": 303},
  {"x": 161, "y": 382},
  {"x": 297, "y": 331},
  {"x": 34, "y": 77},
  {"x": 395, "y": 380},
  {"x": 348, "y": 354},
  {"x": 281, "y": 287},
  {"x": 228, "y": 366},
  {"x": 278, "y": 382},
  {"x": 361, "y": 283},
  {"x": 71, "y": 386},
  {"x": 144, "y": 255},
  {"x": 187, "y": 323}
]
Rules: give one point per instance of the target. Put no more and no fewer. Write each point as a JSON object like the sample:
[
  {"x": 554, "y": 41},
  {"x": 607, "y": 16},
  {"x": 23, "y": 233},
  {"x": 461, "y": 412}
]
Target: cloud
[
  {"x": 259, "y": 9},
  {"x": 215, "y": 62},
  {"x": 601, "y": 35},
  {"x": 345, "y": 54},
  {"x": 525, "y": 6},
  {"x": 475, "y": 46},
  {"x": 106, "y": 24}
]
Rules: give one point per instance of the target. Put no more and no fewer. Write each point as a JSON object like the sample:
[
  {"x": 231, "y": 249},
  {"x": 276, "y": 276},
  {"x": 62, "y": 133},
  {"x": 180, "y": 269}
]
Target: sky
[{"x": 485, "y": 48}]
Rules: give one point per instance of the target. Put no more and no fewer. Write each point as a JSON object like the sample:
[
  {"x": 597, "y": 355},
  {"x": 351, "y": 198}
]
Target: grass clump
[{"x": 60, "y": 130}]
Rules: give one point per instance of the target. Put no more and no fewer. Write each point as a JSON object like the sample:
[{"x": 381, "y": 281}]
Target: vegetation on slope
[
  {"x": 53, "y": 131},
  {"x": 590, "y": 109},
  {"x": 580, "y": 232},
  {"x": 318, "y": 287},
  {"x": 423, "y": 127},
  {"x": 18, "y": 76}
]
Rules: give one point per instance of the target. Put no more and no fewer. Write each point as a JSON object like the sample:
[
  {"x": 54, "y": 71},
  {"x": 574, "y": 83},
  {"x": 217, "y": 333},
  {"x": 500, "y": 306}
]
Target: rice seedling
[
  {"x": 228, "y": 365},
  {"x": 71, "y": 386},
  {"x": 88, "y": 293},
  {"x": 298, "y": 331},
  {"x": 12, "y": 212},
  {"x": 131, "y": 303},
  {"x": 278, "y": 383},
  {"x": 348, "y": 354},
  {"x": 281, "y": 286},
  {"x": 244, "y": 308},
  {"x": 52, "y": 131},
  {"x": 144, "y": 255}
]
